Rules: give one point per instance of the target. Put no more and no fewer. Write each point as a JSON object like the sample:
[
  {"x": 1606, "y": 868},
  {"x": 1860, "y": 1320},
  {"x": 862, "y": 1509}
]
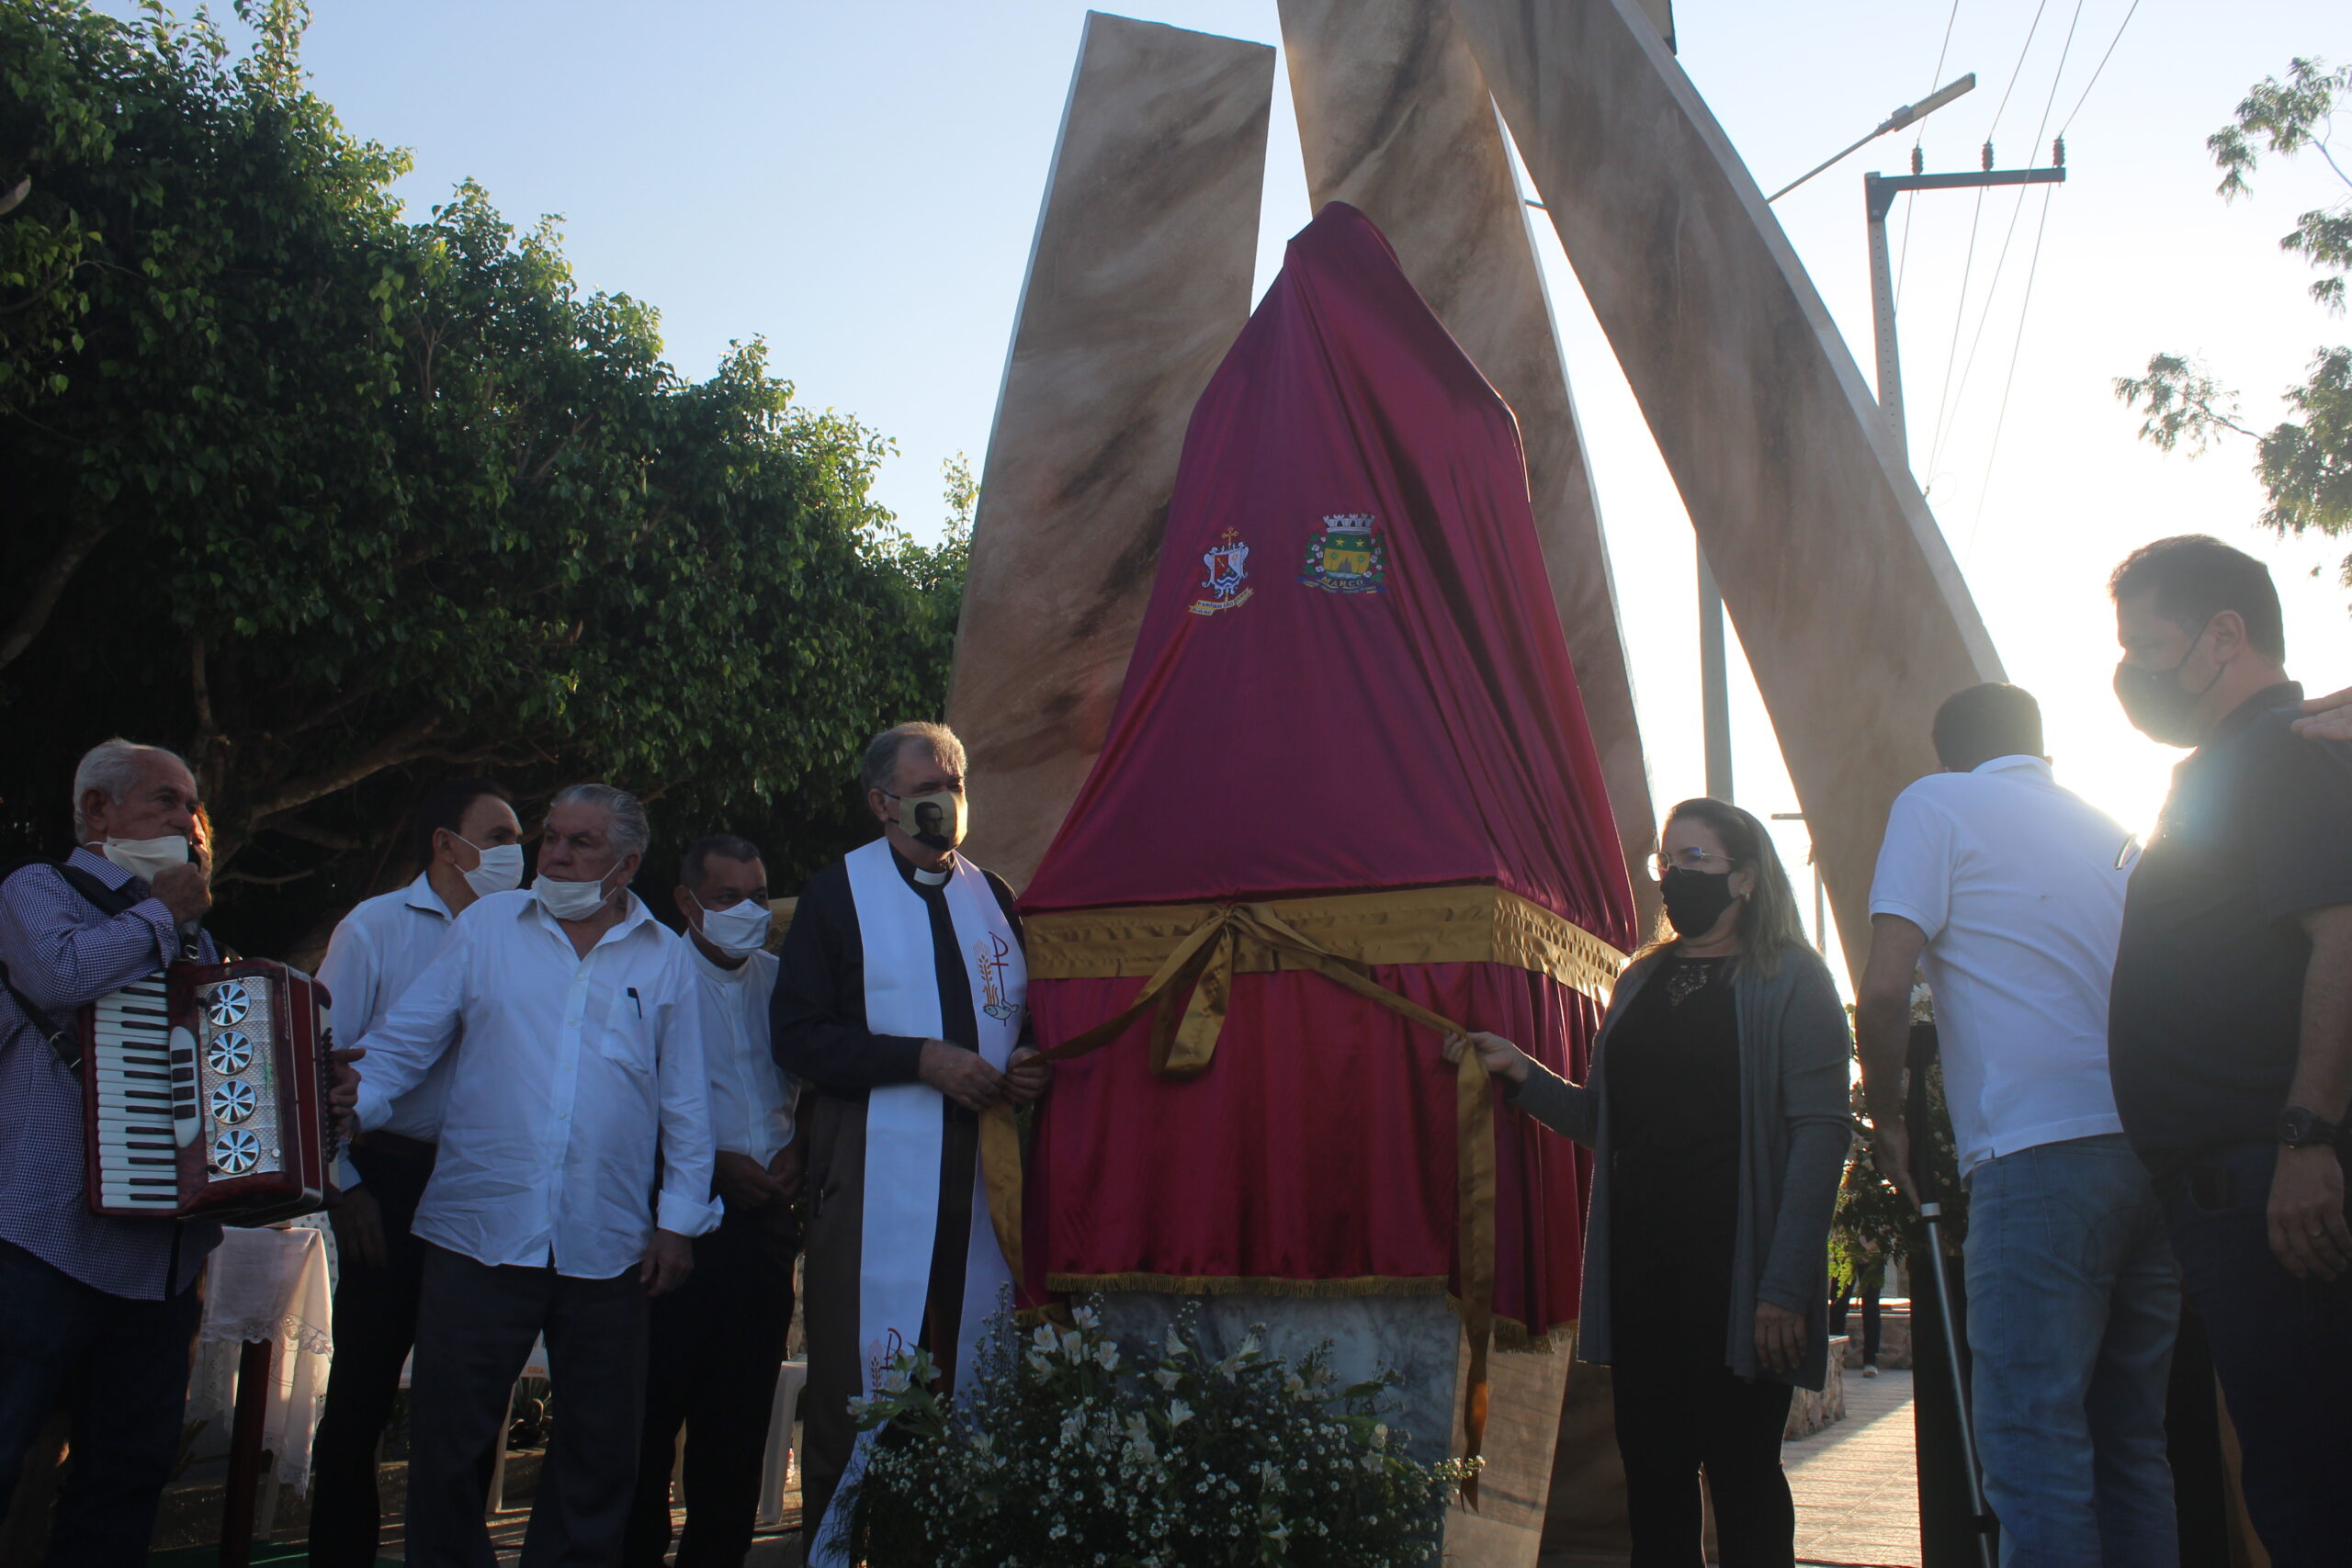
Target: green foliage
[
  {"x": 2305, "y": 462},
  {"x": 1874, "y": 1223},
  {"x": 343, "y": 504},
  {"x": 1072, "y": 1449}
]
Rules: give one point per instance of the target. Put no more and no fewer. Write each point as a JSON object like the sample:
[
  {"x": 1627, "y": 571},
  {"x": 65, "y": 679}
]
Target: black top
[
  {"x": 2206, "y": 1016},
  {"x": 817, "y": 1017},
  {"x": 1671, "y": 1085}
]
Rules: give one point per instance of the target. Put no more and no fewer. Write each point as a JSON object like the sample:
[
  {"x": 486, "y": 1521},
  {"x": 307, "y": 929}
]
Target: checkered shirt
[{"x": 61, "y": 954}]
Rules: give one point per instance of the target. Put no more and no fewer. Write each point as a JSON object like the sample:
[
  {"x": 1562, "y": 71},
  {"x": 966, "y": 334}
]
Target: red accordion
[{"x": 205, "y": 1088}]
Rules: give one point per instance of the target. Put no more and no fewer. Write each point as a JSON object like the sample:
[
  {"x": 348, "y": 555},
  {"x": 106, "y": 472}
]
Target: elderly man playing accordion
[{"x": 103, "y": 1305}]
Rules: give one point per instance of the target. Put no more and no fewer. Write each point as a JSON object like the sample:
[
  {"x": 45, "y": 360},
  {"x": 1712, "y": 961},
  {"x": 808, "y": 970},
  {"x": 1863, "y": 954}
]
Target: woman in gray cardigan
[{"x": 1716, "y": 1109}]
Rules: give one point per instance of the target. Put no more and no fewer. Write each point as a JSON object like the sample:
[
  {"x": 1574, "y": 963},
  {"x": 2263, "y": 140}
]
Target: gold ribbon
[{"x": 1226, "y": 939}]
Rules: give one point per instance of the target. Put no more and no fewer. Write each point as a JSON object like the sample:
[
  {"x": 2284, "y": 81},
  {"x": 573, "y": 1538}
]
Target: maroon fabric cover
[{"x": 1391, "y": 707}]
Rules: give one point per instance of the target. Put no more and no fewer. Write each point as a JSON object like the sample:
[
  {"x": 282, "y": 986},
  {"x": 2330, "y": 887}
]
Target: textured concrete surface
[
  {"x": 1856, "y": 1483},
  {"x": 1848, "y": 600},
  {"x": 1394, "y": 118},
  {"x": 1138, "y": 279}
]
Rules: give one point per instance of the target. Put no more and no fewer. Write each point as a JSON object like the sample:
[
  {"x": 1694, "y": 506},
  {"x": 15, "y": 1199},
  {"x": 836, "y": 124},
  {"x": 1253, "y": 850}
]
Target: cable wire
[
  {"x": 1993, "y": 454},
  {"x": 1935, "y": 80},
  {"x": 2102, "y": 66},
  {"x": 1993, "y": 288}
]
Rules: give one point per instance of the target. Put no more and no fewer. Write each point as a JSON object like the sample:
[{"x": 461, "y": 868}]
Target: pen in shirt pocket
[{"x": 639, "y": 1000}]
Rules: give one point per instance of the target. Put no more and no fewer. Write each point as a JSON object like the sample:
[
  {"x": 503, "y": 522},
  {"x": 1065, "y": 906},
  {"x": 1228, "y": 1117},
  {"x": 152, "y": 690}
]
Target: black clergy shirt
[
  {"x": 2206, "y": 1018},
  {"x": 817, "y": 1017}
]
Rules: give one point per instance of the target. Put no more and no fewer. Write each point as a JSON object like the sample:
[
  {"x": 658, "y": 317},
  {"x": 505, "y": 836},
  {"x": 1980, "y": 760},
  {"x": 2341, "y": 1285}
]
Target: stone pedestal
[{"x": 1420, "y": 1338}]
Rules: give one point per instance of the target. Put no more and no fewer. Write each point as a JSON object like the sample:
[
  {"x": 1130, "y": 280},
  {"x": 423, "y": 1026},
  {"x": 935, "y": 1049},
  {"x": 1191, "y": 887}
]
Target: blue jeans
[
  {"x": 2283, "y": 1348},
  {"x": 121, "y": 1366},
  {"x": 2073, "y": 1302}
]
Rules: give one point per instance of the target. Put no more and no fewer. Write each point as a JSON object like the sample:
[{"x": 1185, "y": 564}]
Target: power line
[
  {"x": 1952, "y": 351},
  {"x": 2102, "y": 66},
  {"x": 2019, "y": 71},
  {"x": 1935, "y": 76},
  {"x": 1993, "y": 288},
  {"x": 2016, "y": 349}
]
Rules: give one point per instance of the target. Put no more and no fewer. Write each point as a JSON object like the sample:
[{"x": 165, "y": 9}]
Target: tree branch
[
  {"x": 304, "y": 833},
  {"x": 403, "y": 745},
  {"x": 49, "y": 586}
]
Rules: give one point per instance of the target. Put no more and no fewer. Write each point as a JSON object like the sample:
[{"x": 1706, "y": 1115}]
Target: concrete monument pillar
[
  {"x": 1138, "y": 279},
  {"x": 1848, "y": 603},
  {"x": 1395, "y": 119}
]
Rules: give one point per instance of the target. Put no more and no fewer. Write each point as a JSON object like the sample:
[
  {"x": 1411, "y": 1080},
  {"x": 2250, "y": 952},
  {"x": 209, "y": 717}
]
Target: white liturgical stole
[{"x": 906, "y": 1125}]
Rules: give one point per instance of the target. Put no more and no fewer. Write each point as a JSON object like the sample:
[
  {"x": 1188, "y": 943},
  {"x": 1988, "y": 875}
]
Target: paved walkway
[{"x": 1856, "y": 1483}]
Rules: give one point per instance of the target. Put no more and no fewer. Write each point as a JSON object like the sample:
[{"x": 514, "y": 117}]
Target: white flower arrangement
[{"x": 1066, "y": 1451}]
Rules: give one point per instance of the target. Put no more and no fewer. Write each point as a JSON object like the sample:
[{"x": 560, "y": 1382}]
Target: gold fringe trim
[{"x": 1471, "y": 923}]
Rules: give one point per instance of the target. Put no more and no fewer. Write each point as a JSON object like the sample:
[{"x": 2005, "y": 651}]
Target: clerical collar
[{"x": 930, "y": 878}]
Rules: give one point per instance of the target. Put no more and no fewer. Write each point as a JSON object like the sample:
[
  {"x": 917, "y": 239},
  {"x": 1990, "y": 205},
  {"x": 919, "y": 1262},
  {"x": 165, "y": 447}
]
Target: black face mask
[
  {"x": 1695, "y": 900},
  {"x": 2156, "y": 702}
]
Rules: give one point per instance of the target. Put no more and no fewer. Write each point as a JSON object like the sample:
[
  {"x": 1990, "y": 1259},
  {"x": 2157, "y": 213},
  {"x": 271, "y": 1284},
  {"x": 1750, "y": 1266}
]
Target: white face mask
[
  {"x": 569, "y": 900},
  {"x": 143, "y": 858},
  {"x": 501, "y": 870},
  {"x": 740, "y": 930}
]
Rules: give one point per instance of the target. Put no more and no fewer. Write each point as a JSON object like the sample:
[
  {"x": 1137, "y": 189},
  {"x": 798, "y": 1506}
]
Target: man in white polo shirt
[
  {"x": 2009, "y": 891},
  {"x": 469, "y": 845}
]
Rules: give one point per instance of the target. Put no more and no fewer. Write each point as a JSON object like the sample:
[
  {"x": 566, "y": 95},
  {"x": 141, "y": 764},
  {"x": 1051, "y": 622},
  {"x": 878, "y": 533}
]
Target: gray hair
[
  {"x": 631, "y": 833},
  {"x": 882, "y": 753},
  {"x": 114, "y": 766}
]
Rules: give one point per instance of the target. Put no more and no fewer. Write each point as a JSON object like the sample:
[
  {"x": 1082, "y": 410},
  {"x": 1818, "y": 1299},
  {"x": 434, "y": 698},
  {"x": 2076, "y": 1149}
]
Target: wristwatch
[{"x": 2299, "y": 1128}]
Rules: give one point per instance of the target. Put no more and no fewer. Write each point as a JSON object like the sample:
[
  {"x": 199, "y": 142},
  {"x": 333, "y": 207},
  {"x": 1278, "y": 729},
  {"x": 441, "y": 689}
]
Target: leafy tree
[
  {"x": 2304, "y": 462},
  {"x": 343, "y": 504}
]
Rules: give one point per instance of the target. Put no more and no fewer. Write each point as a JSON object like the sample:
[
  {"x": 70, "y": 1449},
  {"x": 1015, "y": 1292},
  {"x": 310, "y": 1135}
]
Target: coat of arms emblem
[
  {"x": 1348, "y": 557},
  {"x": 1229, "y": 564}
]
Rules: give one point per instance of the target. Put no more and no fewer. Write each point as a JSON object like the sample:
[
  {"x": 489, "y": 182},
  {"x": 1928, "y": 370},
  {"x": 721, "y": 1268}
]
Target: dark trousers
[
  {"x": 1681, "y": 1411},
  {"x": 1838, "y": 1307},
  {"x": 2283, "y": 1348},
  {"x": 375, "y": 1323},
  {"x": 474, "y": 1330},
  {"x": 829, "y": 1269},
  {"x": 711, "y": 1368},
  {"x": 121, "y": 1366}
]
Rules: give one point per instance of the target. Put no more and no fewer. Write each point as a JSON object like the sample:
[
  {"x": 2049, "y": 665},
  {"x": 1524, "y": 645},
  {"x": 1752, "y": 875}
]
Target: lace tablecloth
[{"x": 273, "y": 1285}]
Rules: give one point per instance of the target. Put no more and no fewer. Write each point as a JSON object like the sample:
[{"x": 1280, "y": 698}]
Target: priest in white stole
[{"x": 899, "y": 1003}]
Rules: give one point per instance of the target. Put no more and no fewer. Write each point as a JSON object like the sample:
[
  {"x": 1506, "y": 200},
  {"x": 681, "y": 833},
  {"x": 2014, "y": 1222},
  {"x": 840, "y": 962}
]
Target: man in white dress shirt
[
  {"x": 580, "y": 1082},
  {"x": 717, "y": 1342},
  {"x": 470, "y": 844}
]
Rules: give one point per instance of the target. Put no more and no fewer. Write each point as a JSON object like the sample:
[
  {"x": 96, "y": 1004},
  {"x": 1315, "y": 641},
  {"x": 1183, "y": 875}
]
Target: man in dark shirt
[
  {"x": 2230, "y": 1028},
  {"x": 821, "y": 1033}
]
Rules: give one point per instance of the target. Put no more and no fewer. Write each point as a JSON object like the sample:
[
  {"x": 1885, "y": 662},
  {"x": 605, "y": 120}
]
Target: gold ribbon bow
[{"x": 1199, "y": 975}]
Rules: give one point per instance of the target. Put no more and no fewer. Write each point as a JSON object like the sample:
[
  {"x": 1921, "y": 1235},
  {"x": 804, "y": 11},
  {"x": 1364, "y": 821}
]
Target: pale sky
[{"x": 858, "y": 184}]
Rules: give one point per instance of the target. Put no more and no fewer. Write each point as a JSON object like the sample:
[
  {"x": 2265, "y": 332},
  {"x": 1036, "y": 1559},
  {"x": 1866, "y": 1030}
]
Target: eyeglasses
[{"x": 1690, "y": 860}]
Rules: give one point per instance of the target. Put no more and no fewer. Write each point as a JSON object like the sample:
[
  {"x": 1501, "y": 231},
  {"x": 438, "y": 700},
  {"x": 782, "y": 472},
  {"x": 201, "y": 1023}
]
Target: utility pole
[
  {"x": 1878, "y": 192},
  {"x": 1715, "y": 674},
  {"x": 1714, "y": 682}
]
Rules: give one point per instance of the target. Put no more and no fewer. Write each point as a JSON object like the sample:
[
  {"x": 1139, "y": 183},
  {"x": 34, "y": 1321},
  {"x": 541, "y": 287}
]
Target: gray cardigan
[{"x": 1796, "y": 1127}]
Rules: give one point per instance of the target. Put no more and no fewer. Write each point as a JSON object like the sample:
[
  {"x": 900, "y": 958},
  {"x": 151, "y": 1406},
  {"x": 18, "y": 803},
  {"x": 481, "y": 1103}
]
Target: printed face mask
[
  {"x": 740, "y": 930},
  {"x": 143, "y": 858},
  {"x": 569, "y": 900},
  {"x": 1695, "y": 900},
  {"x": 936, "y": 820},
  {"x": 2156, "y": 702},
  {"x": 501, "y": 870}
]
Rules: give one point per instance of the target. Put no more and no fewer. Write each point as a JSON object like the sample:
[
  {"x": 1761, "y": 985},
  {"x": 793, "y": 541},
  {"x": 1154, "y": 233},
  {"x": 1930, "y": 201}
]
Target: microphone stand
[{"x": 1931, "y": 1210}]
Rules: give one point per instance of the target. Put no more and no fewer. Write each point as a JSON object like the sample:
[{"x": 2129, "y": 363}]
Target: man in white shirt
[
  {"x": 717, "y": 1342},
  {"x": 582, "y": 1081},
  {"x": 2009, "y": 891},
  {"x": 468, "y": 844}
]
